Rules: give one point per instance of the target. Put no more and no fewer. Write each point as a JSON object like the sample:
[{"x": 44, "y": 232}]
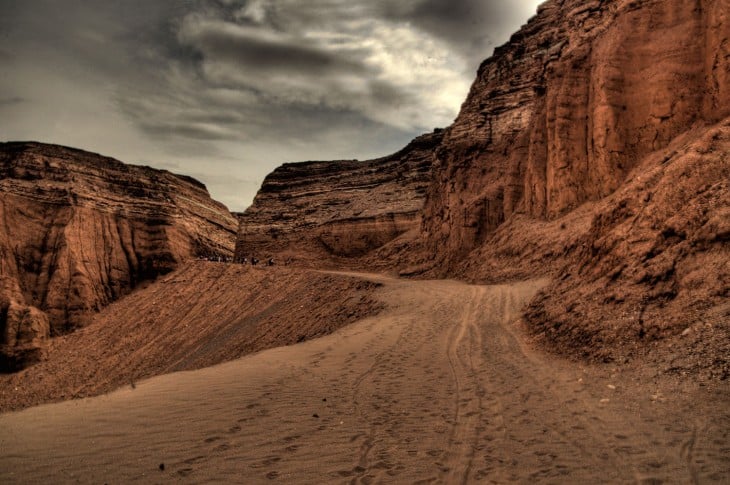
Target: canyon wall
[
  {"x": 78, "y": 231},
  {"x": 562, "y": 113},
  {"x": 594, "y": 147},
  {"x": 342, "y": 209}
]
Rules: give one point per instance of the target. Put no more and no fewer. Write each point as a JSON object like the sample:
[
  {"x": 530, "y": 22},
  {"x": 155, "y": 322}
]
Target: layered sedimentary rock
[
  {"x": 78, "y": 230},
  {"x": 563, "y": 112},
  {"x": 594, "y": 145},
  {"x": 340, "y": 208}
]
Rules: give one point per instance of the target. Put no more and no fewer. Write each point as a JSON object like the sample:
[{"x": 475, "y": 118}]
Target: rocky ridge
[
  {"x": 79, "y": 230},
  {"x": 341, "y": 208}
]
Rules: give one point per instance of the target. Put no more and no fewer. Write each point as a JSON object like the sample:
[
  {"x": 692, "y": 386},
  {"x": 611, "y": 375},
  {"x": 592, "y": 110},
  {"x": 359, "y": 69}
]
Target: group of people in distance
[
  {"x": 216, "y": 258},
  {"x": 228, "y": 259},
  {"x": 255, "y": 261}
]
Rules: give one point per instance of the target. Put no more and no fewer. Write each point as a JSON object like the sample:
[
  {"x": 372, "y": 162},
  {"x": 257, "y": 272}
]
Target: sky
[{"x": 227, "y": 90}]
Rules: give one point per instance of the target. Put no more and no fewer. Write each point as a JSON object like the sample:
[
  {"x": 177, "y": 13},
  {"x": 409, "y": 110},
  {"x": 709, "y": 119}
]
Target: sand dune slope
[
  {"x": 439, "y": 387},
  {"x": 200, "y": 315}
]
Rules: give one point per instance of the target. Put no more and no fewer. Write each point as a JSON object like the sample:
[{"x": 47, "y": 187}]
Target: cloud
[
  {"x": 384, "y": 71},
  {"x": 11, "y": 101},
  {"x": 268, "y": 51},
  {"x": 228, "y": 89},
  {"x": 472, "y": 27}
]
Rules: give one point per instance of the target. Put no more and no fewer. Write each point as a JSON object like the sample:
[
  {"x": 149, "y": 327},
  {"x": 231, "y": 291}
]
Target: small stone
[
  {"x": 315, "y": 415},
  {"x": 162, "y": 467},
  {"x": 611, "y": 386},
  {"x": 604, "y": 400}
]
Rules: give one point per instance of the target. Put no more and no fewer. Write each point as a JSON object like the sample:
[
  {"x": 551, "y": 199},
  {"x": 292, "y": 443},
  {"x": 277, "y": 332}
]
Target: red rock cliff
[
  {"x": 341, "y": 208},
  {"x": 594, "y": 147},
  {"x": 78, "y": 230},
  {"x": 563, "y": 112}
]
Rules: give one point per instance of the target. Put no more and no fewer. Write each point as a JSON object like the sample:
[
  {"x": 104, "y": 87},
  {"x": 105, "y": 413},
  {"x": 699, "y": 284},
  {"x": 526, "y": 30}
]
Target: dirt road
[{"x": 440, "y": 387}]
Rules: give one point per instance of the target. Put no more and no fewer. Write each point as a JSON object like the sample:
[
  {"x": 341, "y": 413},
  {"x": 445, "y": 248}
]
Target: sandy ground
[
  {"x": 201, "y": 315},
  {"x": 439, "y": 387}
]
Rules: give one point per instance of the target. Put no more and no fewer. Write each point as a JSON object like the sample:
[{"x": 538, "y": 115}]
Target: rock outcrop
[
  {"x": 341, "y": 208},
  {"x": 78, "y": 230},
  {"x": 594, "y": 146},
  {"x": 562, "y": 113}
]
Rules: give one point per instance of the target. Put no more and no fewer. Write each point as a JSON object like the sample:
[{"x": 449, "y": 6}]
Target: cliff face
[
  {"x": 594, "y": 146},
  {"x": 342, "y": 208},
  {"x": 78, "y": 230},
  {"x": 563, "y": 112}
]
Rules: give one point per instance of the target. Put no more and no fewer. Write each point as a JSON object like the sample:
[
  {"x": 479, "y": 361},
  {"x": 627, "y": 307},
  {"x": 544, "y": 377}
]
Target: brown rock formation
[
  {"x": 563, "y": 112},
  {"x": 592, "y": 146},
  {"x": 654, "y": 264},
  {"x": 596, "y": 141},
  {"x": 343, "y": 208},
  {"x": 78, "y": 230}
]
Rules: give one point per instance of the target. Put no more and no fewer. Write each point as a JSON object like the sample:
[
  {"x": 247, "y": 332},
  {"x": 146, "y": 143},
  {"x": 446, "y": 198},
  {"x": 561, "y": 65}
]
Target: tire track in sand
[{"x": 463, "y": 351}]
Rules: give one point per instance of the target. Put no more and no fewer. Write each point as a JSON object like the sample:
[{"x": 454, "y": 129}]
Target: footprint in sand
[
  {"x": 195, "y": 459},
  {"x": 271, "y": 460}
]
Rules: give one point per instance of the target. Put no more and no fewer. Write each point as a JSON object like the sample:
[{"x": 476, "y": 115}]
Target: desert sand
[{"x": 442, "y": 386}]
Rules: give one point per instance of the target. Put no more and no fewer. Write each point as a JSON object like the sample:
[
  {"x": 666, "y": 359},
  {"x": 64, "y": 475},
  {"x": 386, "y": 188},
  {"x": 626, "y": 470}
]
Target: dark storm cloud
[
  {"x": 264, "y": 50},
  {"x": 13, "y": 100},
  {"x": 472, "y": 27}
]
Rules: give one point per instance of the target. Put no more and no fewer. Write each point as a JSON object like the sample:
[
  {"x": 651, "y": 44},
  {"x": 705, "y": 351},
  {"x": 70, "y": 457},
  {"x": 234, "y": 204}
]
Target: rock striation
[
  {"x": 654, "y": 264},
  {"x": 79, "y": 230},
  {"x": 562, "y": 113},
  {"x": 594, "y": 146},
  {"x": 341, "y": 208}
]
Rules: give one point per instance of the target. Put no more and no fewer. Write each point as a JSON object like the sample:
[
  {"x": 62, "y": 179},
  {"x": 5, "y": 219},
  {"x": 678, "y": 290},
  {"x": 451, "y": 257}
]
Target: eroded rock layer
[
  {"x": 342, "y": 208},
  {"x": 78, "y": 230},
  {"x": 564, "y": 111},
  {"x": 594, "y": 146}
]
